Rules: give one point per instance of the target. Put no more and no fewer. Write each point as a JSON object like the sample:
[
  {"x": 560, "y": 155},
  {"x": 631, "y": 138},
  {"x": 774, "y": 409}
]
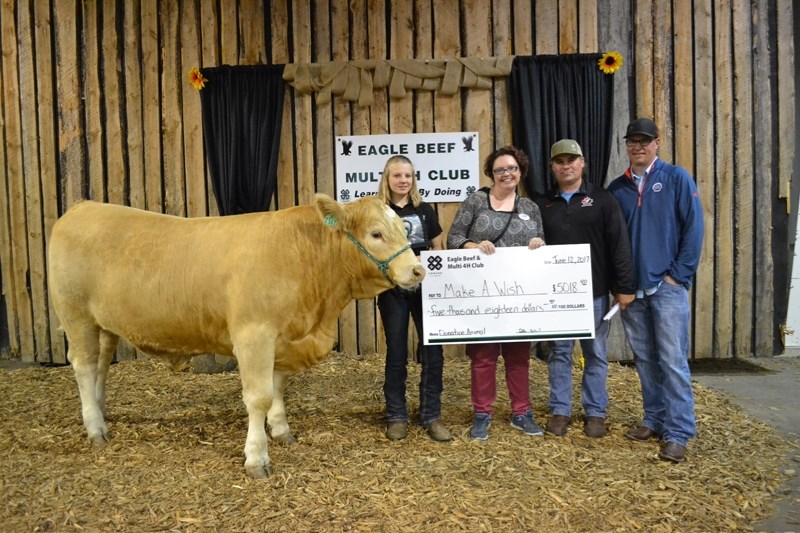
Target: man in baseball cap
[
  {"x": 576, "y": 211},
  {"x": 665, "y": 223}
]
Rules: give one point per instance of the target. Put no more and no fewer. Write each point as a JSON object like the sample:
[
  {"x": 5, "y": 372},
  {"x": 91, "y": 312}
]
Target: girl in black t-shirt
[{"x": 398, "y": 188}]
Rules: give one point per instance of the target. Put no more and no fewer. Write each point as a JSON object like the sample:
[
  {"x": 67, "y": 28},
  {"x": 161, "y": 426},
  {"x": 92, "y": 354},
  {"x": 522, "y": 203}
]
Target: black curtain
[
  {"x": 561, "y": 97},
  {"x": 242, "y": 111}
]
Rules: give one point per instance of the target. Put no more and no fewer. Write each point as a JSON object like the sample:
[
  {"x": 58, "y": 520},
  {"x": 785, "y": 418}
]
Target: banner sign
[
  {"x": 447, "y": 164},
  {"x": 515, "y": 294}
]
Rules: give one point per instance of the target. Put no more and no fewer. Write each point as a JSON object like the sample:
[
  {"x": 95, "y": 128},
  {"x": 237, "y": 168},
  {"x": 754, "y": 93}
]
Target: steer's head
[{"x": 376, "y": 241}]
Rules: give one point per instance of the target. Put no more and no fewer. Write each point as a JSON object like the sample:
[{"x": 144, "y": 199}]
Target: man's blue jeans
[
  {"x": 595, "y": 369},
  {"x": 395, "y": 306},
  {"x": 657, "y": 328}
]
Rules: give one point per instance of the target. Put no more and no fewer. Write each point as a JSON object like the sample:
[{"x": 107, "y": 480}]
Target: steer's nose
[{"x": 418, "y": 272}]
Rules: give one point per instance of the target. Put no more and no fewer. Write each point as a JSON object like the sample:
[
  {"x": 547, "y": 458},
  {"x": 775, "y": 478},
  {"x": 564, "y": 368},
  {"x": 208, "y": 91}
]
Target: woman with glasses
[{"x": 489, "y": 218}]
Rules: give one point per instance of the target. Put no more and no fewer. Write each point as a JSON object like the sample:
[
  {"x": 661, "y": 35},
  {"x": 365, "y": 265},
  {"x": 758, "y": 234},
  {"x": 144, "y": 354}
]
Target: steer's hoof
[
  {"x": 99, "y": 439},
  {"x": 258, "y": 471},
  {"x": 286, "y": 438}
]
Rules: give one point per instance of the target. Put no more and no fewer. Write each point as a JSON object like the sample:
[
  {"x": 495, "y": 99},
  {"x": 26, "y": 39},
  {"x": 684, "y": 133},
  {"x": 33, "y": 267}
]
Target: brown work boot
[
  {"x": 672, "y": 451},
  {"x": 594, "y": 426},
  {"x": 397, "y": 430},
  {"x": 642, "y": 434},
  {"x": 557, "y": 425},
  {"x": 438, "y": 432}
]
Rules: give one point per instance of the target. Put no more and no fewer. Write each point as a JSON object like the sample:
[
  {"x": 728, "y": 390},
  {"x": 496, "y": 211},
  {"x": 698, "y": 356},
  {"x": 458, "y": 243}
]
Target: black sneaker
[
  {"x": 527, "y": 424},
  {"x": 480, "y": 426}
]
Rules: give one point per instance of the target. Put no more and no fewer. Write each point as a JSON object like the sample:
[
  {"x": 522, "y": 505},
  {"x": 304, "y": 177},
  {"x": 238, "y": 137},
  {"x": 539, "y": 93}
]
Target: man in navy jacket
[
  {"x": 574, "y": 212},
  {"x": 665, "y": 220}
]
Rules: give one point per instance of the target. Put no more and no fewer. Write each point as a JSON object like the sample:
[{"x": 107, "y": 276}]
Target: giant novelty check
[{"x": 515, "y": 294}]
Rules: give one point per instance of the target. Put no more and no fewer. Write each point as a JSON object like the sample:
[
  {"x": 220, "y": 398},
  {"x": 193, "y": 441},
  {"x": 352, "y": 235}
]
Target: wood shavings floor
[{"x": 175, "y": 460}]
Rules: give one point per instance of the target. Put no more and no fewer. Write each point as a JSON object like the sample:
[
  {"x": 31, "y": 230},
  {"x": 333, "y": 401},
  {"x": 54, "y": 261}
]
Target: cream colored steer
[{"x": 266, "y": 288}]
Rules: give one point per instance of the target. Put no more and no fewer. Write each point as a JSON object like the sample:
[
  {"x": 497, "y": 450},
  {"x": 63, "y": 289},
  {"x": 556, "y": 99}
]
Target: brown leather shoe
[
  {"x": 557, "y": 425},
  {"x": 438, "y": 432},
  {"x": 642, "y": 434},
  {"x": 397, "y": 430},
  {"x": 594, "y": 426},
  {"x": 672, "y": 451}
]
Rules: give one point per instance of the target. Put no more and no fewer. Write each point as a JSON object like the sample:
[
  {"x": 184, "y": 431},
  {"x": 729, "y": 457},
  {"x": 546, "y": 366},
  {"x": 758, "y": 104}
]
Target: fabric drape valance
[{"x": 356, "y": 80}]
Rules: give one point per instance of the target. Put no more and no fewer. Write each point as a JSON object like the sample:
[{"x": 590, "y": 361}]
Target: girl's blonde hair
[{"x": 385, "y": 194}]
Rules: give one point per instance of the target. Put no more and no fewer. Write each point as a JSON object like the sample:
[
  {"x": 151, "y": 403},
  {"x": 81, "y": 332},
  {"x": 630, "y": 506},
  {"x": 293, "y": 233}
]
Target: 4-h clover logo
[
  {"x": 344, "y": 194},
  {"x": 470, "y": 189},
  {"x": 434, "y": 262}
]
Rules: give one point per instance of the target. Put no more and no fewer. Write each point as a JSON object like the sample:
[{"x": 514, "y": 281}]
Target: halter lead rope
[{"x": 384, "y": 266}]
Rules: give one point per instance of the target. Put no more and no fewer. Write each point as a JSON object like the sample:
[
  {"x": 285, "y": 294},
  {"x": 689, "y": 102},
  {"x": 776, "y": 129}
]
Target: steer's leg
[
  {"x": 254, "y": 349},
  {"x": 276, "y": 417},
  {"x": 84, "y": 349},
  {"x": 108, "y": 343}
]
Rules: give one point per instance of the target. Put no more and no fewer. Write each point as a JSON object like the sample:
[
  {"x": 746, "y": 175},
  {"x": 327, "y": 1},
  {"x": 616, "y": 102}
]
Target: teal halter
[
  {"x": 383, "y": 265},
  {"x": 331, "y": 221}
]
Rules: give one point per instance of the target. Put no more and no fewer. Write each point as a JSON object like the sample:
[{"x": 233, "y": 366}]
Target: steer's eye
[{"x": 377, "y": 235}]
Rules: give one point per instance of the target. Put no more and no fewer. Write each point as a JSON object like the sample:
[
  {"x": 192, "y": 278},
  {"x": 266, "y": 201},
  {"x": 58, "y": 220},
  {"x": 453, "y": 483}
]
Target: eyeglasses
[
  {"x": 501, "y": 171},
  {"x": 644, "y": 143}
]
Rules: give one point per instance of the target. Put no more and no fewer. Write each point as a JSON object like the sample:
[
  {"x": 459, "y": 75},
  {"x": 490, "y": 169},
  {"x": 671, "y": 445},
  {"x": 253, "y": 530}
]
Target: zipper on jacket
[{"x": 639, "y": 191}]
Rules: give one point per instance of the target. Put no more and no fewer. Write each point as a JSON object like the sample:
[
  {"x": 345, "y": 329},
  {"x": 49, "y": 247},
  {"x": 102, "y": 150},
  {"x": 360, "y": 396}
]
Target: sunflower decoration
[
  {"x": 196, "y": 78},
  {"x": 610, "y": 62}
]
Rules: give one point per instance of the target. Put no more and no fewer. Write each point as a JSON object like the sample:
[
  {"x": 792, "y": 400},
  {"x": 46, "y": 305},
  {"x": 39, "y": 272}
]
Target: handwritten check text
[{"x": 515, "y": 294}]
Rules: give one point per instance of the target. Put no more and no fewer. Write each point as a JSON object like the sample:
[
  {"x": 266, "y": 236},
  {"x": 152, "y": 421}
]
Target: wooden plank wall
[{"x": 95, "y": 104}]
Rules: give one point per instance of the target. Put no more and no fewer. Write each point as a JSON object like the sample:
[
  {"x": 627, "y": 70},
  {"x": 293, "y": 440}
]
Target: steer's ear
[{"x": 331, "y": 211}]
